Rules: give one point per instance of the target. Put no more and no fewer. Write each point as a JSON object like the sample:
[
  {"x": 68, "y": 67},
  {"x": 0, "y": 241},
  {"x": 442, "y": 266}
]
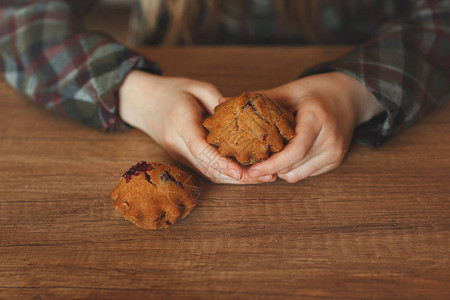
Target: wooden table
[{"x": 378, "y": 227}]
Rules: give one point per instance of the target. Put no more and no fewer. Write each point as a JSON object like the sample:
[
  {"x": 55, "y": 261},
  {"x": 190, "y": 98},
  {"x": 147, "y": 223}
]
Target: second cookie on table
[{"x": 154, "y": 195}]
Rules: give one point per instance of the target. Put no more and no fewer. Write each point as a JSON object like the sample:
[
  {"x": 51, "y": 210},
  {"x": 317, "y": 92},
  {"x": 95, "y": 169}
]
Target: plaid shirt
[{"x": 403, "y": 57}]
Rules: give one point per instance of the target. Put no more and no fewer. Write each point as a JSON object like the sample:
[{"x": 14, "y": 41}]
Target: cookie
[
  {"x": 249, "y": 128},
  {"x": 153, "y": 195}
]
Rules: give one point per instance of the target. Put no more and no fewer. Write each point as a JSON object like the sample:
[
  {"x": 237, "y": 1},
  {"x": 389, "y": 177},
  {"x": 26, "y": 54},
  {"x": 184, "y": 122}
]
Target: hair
[{"x": 183, "y": 16}]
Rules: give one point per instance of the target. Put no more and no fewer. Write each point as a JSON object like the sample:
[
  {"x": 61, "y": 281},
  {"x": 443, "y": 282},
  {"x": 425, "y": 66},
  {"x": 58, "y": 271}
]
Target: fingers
[
  {"x": 325, "y": 169},
  {"x": 305, "y": 170},
  {"x": 313, "y": 167},
  {"x": 246, "y": 179},
  {"x": 216, "y": 168},
  {"x": 323, "y": 157},
  {"x": 212, "y": 174},
  {"x": 268, "y": 178},
  {"x": 294, "y": 152},
  {"x": 207, "y": 160}
]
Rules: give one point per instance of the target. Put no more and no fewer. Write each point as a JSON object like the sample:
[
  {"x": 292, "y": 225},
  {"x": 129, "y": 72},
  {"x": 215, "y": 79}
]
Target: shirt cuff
[{"x": 381, "y": 127}]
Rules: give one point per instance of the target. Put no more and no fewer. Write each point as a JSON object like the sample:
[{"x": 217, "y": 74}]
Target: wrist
[
  {"x": 126, "y": 102},
  {"x": 364, "y": 101},
  {"x": 131, "y": 98}
]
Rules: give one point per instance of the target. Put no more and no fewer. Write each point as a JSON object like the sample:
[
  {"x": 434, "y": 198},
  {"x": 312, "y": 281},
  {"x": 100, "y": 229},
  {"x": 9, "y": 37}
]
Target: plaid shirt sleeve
[
  {"x": 406, "y": 66},
  {"x": 46, "y": 54}
]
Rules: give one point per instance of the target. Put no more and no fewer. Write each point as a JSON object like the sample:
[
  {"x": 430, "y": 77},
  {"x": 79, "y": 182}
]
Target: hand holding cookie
[
  {"x": 328, "y": 108},
  {"x": 170, "y": 110}
]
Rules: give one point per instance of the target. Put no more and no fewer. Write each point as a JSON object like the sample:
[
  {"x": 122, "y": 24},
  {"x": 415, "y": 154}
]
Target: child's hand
[
  {"x": 170, "y": 110},
  {"x": 329, "y": 106}
]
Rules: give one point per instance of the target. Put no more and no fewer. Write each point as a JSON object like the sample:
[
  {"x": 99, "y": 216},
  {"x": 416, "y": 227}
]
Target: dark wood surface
[{"x": 375, "y": 228}]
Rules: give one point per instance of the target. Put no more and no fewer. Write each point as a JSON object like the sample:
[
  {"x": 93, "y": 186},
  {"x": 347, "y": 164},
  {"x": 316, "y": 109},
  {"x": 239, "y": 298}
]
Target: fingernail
[
  {"x": 266, "y": 178},
  {"x": 234, "y": 173},
  {"x": 254, "y": 173}
]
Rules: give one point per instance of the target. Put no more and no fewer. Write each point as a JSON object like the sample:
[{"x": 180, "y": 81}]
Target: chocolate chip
[{"x": 166, "y": 176}]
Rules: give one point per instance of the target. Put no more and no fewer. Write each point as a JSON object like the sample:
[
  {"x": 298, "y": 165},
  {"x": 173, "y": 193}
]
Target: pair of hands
[{"x": 328, "y": 107}]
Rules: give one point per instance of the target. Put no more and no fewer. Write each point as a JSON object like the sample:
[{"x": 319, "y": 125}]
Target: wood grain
[{"x": 375, "y": 228}]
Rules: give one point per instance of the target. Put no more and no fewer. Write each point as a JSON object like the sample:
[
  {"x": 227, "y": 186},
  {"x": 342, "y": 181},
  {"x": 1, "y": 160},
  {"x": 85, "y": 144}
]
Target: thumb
[
  {"x": 278, "y": 93},
  {"x": 224, "y": 99},
  {"x": 206, "y": 93},
  {"x": 286, "y": 95}
]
